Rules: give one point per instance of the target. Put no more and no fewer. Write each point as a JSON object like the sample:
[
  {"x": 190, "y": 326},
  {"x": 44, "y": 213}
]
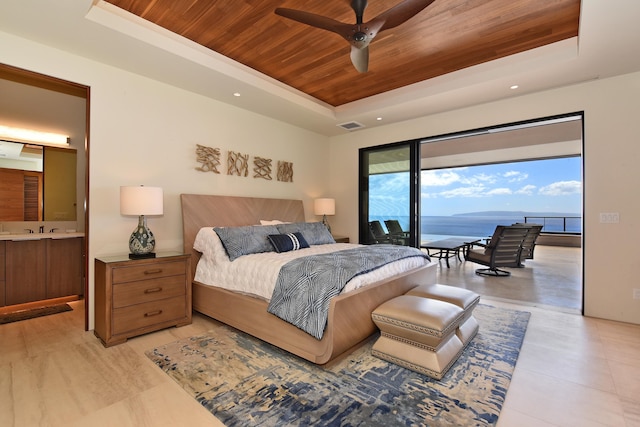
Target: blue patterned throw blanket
[{"x": 305, "y": 285}]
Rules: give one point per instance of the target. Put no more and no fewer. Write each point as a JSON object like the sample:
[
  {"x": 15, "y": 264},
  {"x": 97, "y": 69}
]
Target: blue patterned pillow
[
  {"x": 288, "y": 242},
  {"x": 315, "y": 233},
  {"x": 250, "y": 239}
]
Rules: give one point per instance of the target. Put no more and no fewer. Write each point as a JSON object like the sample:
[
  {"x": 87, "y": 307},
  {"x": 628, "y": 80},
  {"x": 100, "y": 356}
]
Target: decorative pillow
[
  {"x": 288, "y": 242},
  {"x": 315, "y": 233},
  {"x": 250, "y": 239}
]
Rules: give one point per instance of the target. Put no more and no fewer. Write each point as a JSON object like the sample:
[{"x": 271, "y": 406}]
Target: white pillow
[
  {"x": 271, "y": 222},
  {"x": 208, "y": 243}
]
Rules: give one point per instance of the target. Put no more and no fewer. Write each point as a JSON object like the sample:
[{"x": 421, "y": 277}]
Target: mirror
[
  {"x": 47, "y": 104},
  {"x": 38, "y": 182}
]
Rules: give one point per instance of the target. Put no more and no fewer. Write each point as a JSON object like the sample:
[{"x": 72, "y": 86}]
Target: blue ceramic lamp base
[{"x": 142, "y": 242}]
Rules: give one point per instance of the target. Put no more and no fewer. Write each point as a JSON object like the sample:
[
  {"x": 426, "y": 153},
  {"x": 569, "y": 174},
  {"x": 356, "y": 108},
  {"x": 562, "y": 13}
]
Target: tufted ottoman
[
  {"x": 463, "y": 298},
  {"x": 418, "y": 333}
]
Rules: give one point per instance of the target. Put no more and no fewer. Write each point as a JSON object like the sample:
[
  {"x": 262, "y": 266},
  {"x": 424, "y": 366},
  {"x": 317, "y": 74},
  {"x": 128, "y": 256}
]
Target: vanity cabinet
[
  {"x": 25, "y": 271},
  {"x": 3, "y": 245},
  {"x": 65, "y": 265},
  {"x": 40, "y": 269}
]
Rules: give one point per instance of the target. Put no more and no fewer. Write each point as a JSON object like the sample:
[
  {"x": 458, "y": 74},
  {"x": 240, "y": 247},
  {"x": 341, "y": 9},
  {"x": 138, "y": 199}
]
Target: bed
[{"x": 349, "y": 319}]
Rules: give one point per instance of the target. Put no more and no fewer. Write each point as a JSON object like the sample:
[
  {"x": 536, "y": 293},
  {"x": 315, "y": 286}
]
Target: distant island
[{"x": 516, "y": 213}]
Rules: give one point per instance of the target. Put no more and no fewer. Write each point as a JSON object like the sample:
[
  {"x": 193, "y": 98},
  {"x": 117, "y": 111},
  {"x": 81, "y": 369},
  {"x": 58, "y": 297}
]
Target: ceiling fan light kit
[{"x": 360, "y": 34}]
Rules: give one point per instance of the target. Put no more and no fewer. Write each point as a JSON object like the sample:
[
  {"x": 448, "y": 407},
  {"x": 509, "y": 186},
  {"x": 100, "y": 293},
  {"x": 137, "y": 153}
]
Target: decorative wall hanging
[
  {"x": 262, "y": 168},
  {"x": 208, "y": 157},
  {"x": 237, "y": 164},
  {"x": 285, "y": 171}
]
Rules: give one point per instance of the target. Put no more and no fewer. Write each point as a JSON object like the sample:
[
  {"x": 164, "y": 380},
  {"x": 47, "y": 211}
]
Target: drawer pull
[
  {"x": 153, "y": 290},
  {"x": 156, "y": 271},
  {"x": 153, "y": 313}
]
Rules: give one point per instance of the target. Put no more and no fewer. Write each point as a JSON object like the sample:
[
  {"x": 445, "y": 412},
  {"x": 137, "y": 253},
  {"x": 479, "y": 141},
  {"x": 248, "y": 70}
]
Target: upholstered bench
[
  {"x": 418, "y": 333},
  {"x": 463, "y": 298}
]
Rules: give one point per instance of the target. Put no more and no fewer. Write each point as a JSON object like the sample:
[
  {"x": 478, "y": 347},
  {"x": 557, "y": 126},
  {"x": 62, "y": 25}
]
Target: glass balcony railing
[{"x": 557, "y": 224}]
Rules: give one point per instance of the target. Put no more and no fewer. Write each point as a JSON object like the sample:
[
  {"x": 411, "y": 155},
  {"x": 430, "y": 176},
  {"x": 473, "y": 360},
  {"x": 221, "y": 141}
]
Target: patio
[{"x": 553, "y": 279}]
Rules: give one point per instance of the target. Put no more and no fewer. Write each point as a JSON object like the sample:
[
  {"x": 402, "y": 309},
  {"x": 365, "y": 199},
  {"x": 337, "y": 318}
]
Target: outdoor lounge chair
[
  {"x": 529, "y": 244},
  {"x": 396, "y": 232},
  {"x": 377, "y": 233},
  {"x": 394, "y": 227},
  {"x": 503, "y": 250}
]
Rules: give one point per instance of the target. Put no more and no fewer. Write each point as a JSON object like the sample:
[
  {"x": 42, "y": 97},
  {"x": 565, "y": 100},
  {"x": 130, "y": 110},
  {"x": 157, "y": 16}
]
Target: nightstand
[
  {"x": 136, "y": 296},
  {"x": 341, "y": 239}
]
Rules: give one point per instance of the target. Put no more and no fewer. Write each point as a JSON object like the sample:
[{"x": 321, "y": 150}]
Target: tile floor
[{"x": 572, "y": 371}]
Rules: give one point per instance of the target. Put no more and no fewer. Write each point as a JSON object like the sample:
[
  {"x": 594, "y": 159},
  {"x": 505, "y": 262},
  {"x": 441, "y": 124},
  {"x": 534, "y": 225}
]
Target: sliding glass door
[{"x": 389, "y": 199}]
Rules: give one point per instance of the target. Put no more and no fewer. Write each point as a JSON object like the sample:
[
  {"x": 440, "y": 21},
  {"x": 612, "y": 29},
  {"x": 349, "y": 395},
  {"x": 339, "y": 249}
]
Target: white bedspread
[{"x": 256, "y": 274}]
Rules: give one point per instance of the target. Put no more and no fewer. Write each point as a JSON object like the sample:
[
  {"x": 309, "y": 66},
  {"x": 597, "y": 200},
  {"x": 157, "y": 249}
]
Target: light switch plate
[{"x": 609, "y": 217}]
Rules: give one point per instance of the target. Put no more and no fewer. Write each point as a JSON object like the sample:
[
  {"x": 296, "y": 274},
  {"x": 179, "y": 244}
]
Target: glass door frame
[{"x": 414, "y": 189}]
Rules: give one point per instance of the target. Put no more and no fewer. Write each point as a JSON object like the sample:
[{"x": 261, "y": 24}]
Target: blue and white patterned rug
[{"x": 244, "y": 381}]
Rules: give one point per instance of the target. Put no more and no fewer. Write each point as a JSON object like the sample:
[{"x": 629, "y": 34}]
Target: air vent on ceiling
[{"x": 351, "y": 125}]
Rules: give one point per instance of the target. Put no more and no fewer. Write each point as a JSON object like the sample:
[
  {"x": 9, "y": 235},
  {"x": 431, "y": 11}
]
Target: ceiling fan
[{"x": 360, "y": 34}]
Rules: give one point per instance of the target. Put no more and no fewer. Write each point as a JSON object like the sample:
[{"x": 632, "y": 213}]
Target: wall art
[
  {"x": 208, "y": 157},
  {"x": 285, "y": 171},
  {"x": 237, "y": 164},
  {"x": 262, "y": 168}
]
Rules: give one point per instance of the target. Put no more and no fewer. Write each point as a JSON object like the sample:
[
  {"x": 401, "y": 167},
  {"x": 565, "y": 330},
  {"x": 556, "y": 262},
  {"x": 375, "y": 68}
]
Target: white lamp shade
[
  {"x": 140, "y": 200},
  {"x": 324, "y": 207}
]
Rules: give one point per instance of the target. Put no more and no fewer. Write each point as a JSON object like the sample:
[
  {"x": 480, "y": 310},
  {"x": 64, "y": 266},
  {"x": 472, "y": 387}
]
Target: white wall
[
  {"x": 611, "y": 174},
  {"x": 145, "y": 132}
]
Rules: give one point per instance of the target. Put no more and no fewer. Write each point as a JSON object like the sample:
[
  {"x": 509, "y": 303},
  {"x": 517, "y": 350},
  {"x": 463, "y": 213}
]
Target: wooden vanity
[{"x": 40, "y": 267}]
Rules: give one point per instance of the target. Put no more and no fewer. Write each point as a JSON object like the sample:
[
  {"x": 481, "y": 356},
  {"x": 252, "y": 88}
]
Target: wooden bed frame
[{"x": 349, "y": 320}]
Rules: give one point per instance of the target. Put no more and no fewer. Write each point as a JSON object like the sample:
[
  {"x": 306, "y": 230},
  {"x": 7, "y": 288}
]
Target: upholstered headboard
[{"x": 199, "y": 210}]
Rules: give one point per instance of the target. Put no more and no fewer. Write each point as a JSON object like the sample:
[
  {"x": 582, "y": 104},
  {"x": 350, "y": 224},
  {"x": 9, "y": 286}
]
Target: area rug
[
  {"x": 244, "y": 381},
  {"x": 33, "y": 313}
]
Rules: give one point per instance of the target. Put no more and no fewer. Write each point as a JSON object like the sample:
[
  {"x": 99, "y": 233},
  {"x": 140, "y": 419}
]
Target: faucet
[{"x": 42, "y": 229}]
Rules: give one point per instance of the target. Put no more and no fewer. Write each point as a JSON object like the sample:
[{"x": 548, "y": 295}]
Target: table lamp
[
  {"x": 141, "y": 201},
  {"x": 325, "y": 207}
]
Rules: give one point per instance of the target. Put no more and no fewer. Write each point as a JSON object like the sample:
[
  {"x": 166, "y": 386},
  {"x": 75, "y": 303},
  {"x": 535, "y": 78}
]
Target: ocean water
[{"x": 435, "y": 227}]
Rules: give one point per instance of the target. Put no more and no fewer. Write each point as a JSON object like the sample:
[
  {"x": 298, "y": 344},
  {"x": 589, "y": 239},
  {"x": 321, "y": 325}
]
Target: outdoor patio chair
[
  {"x": 503, "y": 250},
  {"x": 396, "y": 232},
  {"x": 377, "y": 233},
  {"x": 529, "y": 244},
  {"x": 394, "y": 227}
]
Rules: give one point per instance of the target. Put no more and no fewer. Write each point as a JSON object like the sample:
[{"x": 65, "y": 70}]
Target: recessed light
[
  {"x": 236, "y": 94},
  {"x": 378, "y": 118},
  {"x": 514, "y": 87}
]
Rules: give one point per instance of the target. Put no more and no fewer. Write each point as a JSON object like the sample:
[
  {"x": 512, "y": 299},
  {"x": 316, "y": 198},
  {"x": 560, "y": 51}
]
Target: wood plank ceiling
[{"x": 447, "y": 36}]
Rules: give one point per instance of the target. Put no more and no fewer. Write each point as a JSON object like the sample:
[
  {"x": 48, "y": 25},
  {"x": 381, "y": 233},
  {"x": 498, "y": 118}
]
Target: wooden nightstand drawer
[
  {"x": 148, "y": 314},
  {"x": 148, "y": 271},
  {"x": 131, "y": 293}
]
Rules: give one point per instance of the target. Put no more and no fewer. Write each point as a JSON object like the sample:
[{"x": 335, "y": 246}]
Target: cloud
[
  {"x": 390, "y": 183},
  {"x": 476, "y": 191},
  {"x": 499, "y": 192},
  {"x": 561, "y": 188},
  {"x": 527, "y": 190},
  {"x": 480, "y": 178},
  {"x": 515, "y": 176},
  {"x": 439, "y": 179}
]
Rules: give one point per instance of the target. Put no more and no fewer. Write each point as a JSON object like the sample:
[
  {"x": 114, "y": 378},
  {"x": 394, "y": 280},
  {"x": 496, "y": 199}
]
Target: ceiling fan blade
[
  {"x": 398, "y": 14},
  {"x": 314, "y": 20},
  {"x": 360, "y": 58}
]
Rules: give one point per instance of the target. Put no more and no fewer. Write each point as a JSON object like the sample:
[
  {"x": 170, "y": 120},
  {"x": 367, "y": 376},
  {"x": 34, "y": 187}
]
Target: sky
[{"x": 543, "y": 186}]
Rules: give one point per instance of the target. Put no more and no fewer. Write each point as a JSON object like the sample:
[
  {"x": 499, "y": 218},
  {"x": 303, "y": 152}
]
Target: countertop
[{"x": 39, "y": 236}]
